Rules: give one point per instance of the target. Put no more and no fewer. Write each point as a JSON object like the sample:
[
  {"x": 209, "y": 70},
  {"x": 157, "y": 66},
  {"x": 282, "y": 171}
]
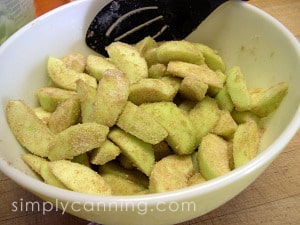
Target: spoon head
[{"x": 130, "y": 21}]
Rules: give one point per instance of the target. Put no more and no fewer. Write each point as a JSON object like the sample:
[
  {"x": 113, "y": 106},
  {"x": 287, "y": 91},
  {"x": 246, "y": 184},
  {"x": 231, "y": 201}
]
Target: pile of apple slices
[{"x": 151, "y": 117}]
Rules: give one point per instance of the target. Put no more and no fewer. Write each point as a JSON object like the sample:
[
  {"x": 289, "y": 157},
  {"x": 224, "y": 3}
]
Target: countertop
[{"x": 273, "y": 199}]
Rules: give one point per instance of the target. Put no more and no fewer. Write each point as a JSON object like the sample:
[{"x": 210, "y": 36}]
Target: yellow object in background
[{"x": 13, "y": 15}]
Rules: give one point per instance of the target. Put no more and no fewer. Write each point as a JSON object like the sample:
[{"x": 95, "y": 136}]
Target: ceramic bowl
[{"x": 244, "y": 35}]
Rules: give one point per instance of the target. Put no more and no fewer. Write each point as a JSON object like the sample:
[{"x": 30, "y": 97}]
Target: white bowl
[{"x": 244, "y": 35}]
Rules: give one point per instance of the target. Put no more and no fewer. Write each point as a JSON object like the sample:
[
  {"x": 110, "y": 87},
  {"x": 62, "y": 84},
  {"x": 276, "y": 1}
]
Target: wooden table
[{"x": 273, "y": 199}]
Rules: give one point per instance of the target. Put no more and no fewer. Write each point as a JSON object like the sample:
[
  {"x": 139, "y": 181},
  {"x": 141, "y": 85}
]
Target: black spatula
[{"x": 131, "y": 20}]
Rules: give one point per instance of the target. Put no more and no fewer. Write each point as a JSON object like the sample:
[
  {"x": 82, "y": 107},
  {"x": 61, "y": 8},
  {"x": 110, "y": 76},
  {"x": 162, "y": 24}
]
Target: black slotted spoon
[{"x": 132, "y": 20}]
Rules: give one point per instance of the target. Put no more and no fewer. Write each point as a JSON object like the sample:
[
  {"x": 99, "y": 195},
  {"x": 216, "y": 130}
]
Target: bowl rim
[{"x": 43, "y": 189}]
